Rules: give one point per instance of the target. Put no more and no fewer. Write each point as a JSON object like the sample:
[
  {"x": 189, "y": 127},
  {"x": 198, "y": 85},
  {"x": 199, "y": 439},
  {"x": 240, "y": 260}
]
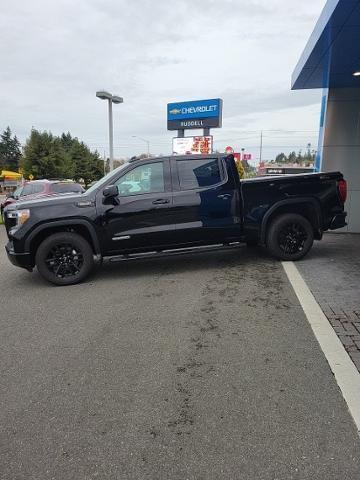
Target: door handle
[
  {"x": 161, "y": 201},
  {"x": 224, "y": 196}
]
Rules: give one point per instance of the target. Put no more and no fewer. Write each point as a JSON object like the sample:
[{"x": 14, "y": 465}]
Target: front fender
[{"x": 65, "y": 223}]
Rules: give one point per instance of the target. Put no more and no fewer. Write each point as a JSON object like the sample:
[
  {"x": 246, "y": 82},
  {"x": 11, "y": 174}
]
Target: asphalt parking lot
[{"x": 195, "y": 367}]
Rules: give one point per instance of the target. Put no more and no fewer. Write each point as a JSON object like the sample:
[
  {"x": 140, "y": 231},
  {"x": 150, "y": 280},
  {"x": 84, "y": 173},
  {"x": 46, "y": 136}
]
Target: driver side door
[{"x": 139, "y": 218}]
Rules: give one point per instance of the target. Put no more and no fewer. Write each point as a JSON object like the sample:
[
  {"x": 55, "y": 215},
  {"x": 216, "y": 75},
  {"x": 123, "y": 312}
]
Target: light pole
[
  {"x": 111, "y": 99},
  {"x": 146, "y": 141}
]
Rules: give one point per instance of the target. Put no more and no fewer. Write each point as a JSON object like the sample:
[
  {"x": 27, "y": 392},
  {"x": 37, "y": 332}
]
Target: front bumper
[
  {"x": 22, "y": 260},
  {"x": 338, "y": 221}
]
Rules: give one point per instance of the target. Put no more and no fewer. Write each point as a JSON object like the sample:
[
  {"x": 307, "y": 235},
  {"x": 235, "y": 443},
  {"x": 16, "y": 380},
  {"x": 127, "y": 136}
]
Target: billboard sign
[
  {"x": 247, "y": 156},
  {"x": 195, "y": 114},
  {"x": 192, "y": 145}
]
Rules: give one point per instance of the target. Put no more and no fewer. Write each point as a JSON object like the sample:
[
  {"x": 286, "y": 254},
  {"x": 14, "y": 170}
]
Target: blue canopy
[{"x": 332, "y": 53}]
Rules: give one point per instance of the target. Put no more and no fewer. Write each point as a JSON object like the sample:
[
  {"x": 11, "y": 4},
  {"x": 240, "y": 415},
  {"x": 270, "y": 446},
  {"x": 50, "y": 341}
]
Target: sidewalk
[{"x": 332, "y": 272}]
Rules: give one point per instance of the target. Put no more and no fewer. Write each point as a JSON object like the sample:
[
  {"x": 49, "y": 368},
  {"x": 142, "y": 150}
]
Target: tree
[
  {"x": 45, "y": 157},
  {"x": 299, "y": 157},
  {"x": 292, "y": 158},
  {"x": 309, "y": 156},
  {"x": 281, "y": 158},
  {"x": 67, "y": 141},
  {"x": 240, "y": 169},
  {"x": 306, "y": 159},
  {"x": 10, "y": 151},
  {"x": 48, "y": 156},
  {"x": 88, "y": 166}
]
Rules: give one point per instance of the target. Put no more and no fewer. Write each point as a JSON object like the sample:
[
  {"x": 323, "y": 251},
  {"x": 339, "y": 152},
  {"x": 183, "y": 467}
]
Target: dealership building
[{"x": 331, "y": 61}]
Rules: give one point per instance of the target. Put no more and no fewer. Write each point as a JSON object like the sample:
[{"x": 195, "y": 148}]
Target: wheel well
[
  {"x": 46, "y": 232},
  {"x": 307, "y": 210}
]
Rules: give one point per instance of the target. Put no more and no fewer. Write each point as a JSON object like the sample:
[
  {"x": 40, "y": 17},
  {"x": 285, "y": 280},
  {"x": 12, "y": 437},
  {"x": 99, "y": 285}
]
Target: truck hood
[{"x": 60, "y": 199}]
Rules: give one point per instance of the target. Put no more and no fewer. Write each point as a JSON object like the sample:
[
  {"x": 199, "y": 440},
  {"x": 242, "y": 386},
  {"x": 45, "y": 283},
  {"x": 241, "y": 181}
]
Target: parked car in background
[{"x": 41, "y": 188}]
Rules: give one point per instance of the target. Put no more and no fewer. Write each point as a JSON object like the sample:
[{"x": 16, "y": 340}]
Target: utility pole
[{"x": 261, "y": 145}]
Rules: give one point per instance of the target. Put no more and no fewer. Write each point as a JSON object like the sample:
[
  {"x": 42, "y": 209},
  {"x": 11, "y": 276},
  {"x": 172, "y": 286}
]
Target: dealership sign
[
  {"x": 196, "y": 114},
  {"x": 192, "y": 145}
]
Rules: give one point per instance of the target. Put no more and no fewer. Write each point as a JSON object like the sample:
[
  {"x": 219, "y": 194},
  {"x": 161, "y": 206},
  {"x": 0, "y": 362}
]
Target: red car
[{"x": 41, "y": 188}]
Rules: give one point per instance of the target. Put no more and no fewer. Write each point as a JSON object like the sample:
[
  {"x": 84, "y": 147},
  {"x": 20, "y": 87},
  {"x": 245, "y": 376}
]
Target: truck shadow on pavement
[
  {"x": 181, "y": 263},
  {"x": 171, "y": 264}
]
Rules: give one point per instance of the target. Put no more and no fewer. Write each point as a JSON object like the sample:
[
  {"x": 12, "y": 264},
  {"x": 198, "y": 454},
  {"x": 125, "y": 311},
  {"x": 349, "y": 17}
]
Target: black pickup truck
[{"x": 173, "y": 205}]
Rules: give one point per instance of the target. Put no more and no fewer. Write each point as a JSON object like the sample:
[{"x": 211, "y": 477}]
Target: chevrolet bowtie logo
[{"x": 175, "y": 111}]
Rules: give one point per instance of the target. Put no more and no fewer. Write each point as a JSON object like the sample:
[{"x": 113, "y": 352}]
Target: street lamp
[
  {"x": 146, "y": 141},
  {"x": 103, "y": 95}
]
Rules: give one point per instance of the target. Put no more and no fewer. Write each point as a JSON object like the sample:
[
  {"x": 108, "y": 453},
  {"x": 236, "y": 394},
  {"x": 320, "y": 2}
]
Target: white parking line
[{"x": 345, "y": 372}]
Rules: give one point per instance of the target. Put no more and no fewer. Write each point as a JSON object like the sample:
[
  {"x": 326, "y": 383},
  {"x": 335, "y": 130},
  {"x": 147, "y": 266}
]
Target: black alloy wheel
[
  {"x": 64, "y": 258},
  {"x": 290, "y": 236}
]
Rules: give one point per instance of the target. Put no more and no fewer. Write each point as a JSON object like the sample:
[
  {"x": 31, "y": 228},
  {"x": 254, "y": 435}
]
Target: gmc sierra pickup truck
[{"x": 172, "y": 205}]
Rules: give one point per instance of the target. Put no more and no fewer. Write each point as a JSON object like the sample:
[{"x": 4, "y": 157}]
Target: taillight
[{"x": 342, "y": 190}]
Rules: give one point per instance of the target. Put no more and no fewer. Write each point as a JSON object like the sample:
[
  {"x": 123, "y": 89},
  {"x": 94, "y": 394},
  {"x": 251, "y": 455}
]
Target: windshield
[
  {"x": 17, "y": 192},
  {"x": 103, "y": 180}
]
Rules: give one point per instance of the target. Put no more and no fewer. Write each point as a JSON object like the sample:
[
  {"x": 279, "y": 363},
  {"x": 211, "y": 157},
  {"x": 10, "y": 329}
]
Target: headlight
[{"x": 21, "y": 216}]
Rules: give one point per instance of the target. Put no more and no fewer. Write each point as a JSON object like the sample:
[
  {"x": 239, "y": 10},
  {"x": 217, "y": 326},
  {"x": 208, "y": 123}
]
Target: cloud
[
  {"x": 55, "y": 55},
  {"x": 246, "y": 101}
]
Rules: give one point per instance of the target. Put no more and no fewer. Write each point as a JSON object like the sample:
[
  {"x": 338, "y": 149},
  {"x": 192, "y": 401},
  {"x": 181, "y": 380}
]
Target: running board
[{"x": 171, "y": 252}]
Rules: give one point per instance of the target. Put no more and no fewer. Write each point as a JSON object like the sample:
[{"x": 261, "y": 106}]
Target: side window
[
  {"x": 148, "y": 178},
  {"x": 38, "y": 188},
  {"x": 31, "y": 188},
  {"x": 198, "y": 173}
]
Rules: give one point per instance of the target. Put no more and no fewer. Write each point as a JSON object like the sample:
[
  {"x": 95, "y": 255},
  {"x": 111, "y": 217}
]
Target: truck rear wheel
[
  {"x": 290, "y": 237},
  {"x": 64, "y": 258}
]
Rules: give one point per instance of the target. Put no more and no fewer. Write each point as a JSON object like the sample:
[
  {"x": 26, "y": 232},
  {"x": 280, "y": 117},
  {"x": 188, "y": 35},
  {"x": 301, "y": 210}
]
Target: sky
[{"x": 56, "y": 55}]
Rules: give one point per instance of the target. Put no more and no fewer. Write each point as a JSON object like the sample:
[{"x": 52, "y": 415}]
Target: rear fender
[{"x": 292, "y": 205}]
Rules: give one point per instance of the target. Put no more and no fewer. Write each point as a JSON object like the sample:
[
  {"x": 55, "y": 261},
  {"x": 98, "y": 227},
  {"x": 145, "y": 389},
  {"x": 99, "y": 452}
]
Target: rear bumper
[
  {"x": 22, "y": 260},
  {"x": 338, "y": 221}
]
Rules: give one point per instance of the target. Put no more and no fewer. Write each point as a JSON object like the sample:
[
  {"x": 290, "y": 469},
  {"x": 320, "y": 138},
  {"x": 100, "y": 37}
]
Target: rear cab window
[{"x": 199, "y": 173}]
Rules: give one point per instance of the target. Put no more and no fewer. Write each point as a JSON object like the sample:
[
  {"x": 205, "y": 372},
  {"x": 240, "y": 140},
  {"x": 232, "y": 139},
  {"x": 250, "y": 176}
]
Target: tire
[
  {"x": 290, "y": 237},
  {"x": 64, "y": 258}
]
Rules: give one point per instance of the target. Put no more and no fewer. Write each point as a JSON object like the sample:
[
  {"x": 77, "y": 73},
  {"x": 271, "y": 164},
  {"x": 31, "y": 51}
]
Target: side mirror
[{"x": 111, "y": 191}]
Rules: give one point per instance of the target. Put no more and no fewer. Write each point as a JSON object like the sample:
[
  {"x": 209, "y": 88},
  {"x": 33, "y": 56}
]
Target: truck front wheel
[
  {"x": 64, "y": 258},
  {"x": 290, "y": 237}
]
